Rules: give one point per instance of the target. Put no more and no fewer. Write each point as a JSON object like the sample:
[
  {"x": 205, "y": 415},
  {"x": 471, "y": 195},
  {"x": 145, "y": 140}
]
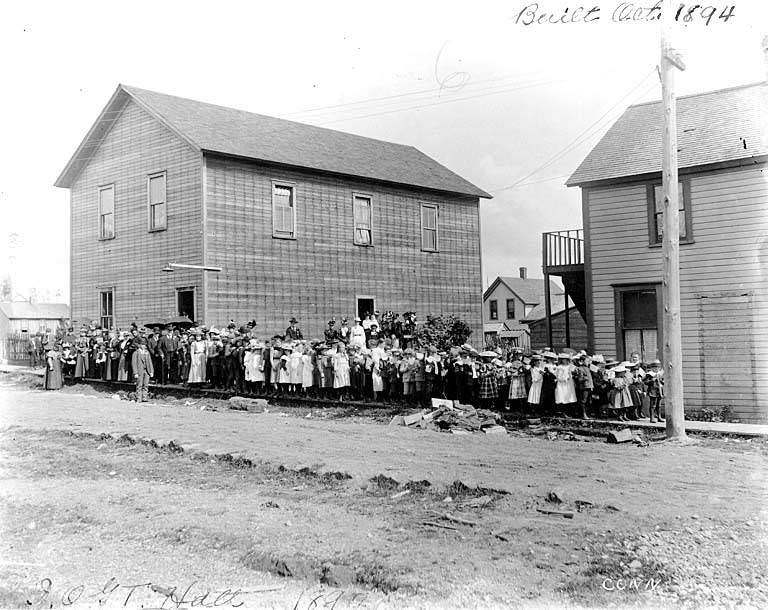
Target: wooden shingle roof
[
  {"x": 226, "y": 131},
  {"x": 714, "y": 127}
]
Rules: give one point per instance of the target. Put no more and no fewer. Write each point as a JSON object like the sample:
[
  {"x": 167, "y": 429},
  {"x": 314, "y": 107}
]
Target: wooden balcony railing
[{"x": 563, "y": 248}]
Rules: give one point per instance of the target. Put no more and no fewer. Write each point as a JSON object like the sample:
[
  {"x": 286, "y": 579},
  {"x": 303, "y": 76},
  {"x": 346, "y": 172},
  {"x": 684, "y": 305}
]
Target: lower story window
[
  {"x": 106, "y": 314},
  {"x": 638, "y": 326}
]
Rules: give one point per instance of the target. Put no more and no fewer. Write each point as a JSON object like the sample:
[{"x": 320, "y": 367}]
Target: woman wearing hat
[
  {"x": 53, "y": 379},
  {"x": 357, "y": 334},
  {"x": 517, "y": 390},
  {"x": 197, "y": 359}
]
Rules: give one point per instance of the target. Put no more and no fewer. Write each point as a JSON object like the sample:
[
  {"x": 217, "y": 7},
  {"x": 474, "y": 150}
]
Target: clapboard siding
[
  {"x": 136, "y": 146},
  {"x": 319, "y": 274},
  {"x": 723, "y": 281}
]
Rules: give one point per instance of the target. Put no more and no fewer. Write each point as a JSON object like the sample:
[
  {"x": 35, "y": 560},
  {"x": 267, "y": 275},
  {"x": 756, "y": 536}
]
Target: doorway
[
  {"x": 365, "y": 305},
  {"x": 185, "y": 302},
  {"x": 638, "y": 316}
]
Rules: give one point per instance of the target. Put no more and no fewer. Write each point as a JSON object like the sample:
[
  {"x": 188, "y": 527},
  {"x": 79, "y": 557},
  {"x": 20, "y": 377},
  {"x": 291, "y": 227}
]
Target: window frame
[
  {"x": 101, "y": 189},
  {"x": 436, "y": 208},
  {"x": 150, "y": 205},
  {"x": 111, "y": 291},
  {"x": 493, "y": 309},
  {"x": 285, "y": 184},
  {"x": 618, "y": 304},
  {"x": 512, "y": 317},
  {"x": 355, "y": 197},
  {"x": 654, "y": 241}
]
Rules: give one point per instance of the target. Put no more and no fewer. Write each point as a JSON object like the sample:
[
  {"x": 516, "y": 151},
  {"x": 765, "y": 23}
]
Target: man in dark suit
[
  {"x": 166, "y": 352},
  {"x": 293, "y": 332}
]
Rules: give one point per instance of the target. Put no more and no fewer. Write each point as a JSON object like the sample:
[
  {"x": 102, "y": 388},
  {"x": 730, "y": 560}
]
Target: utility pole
[{"x": 673, "y": 357}]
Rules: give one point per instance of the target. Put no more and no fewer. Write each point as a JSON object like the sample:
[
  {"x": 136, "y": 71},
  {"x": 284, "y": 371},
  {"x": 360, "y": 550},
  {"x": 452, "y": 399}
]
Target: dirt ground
[{"x": 296, "y": 521}]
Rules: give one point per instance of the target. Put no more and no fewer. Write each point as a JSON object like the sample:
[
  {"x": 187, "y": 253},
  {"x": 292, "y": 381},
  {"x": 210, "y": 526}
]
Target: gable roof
[
  {"x": 713, "y": 127},
  {"x": 539, "y": 312},
  {"x": 529, "y": 290},
  {"x": 230, "y": 132},
  {"x": 35, "y": 311}
]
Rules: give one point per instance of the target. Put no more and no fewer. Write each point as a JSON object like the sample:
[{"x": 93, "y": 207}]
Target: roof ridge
[
  {"x": 129, "y": 88},
  {"x": 703, "y": 93}
]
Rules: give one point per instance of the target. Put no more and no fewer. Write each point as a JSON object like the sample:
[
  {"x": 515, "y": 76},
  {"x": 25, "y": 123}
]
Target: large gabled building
[{"x": 303, "y": 221}]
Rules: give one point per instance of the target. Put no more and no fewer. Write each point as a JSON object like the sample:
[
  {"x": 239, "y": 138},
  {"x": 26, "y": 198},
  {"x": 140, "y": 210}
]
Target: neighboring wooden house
[
  {"x": 507, "y": 302},
  {"x": 723, "y": 152},
  {"x": 20, "y": 320},
  {"x": 567, "y": 331},
  {"x": 303, "y": 221}
]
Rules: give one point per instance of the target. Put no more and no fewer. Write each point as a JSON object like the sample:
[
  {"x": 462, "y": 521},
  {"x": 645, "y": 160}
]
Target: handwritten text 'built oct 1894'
[{"x": 625, "y": 12}]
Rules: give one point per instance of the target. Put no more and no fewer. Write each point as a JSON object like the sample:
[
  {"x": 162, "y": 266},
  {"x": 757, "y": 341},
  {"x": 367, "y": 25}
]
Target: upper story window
[
  {"x": 429, "y": 231},
  {"x": 107, "y": 212},
  {"x": 362, "y": 213},
  {"x": 655, "y": 195},
  {"x": 494, "y": 309},
  {"x": 106, "y": 306},
  {"x": 157, "y": 202},
  {"x": 283, "y": 210},
  {"x": 510, "y": 309}
]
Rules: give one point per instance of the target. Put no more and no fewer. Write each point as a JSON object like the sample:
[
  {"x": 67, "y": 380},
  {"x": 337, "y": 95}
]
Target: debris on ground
[
  {"x": 555, "y": 497},
  {"x": 567, "y": 514},
  {"x": 453, "y": 417},
  {"x": 620, "y": 436},
  {"x": 239, "y": 403}
]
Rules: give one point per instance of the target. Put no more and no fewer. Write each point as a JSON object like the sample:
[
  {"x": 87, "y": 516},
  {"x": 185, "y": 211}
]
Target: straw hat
[{"x": 550, "y": 355}]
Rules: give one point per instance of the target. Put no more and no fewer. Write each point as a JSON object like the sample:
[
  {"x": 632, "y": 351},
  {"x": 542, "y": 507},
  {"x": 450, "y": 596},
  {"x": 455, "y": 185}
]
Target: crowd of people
[{"x": 358, "y": 362}]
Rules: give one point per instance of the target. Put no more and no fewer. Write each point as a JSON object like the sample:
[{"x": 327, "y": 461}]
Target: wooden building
[
  {"x": 569, "y": 330},
  {"x": 615, "y": 268},
  {"x": 20, "y": 320},
  {"x": 507, "y": 302},
  {"x": 302, "y": 221}
]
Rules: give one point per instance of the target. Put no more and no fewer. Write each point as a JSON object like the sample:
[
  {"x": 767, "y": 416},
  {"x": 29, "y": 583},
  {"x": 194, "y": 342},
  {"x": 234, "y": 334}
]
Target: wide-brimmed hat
[
  {"x": 563, "y": 356},
  {"x": 598, "y": 358},
  {"x": 550, "y": 355},
  {"x": 496, "y": 362},
  {"x": 293, "y": 321},
  {"x": 620, "y": 368},
  {"x": 488, "y": 354},
  {"x": 357, "y": 319},
  {"x": 655, "y": 362}
]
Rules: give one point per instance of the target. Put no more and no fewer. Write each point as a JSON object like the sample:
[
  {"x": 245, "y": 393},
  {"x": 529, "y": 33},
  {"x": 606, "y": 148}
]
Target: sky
[{"x": 513, "y": 108}]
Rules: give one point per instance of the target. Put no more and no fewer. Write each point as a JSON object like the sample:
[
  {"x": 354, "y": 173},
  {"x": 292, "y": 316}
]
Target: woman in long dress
[
  {"x": 296, "y": 368},
  {"x": 197, "y": 362},
  {"x": 122, "y": 365},
  {"x": 53, "y": 380}
]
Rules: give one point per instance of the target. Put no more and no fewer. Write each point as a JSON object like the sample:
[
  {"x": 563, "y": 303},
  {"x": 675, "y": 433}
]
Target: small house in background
[
  {"x": 614, "y": 268},
  {"x": 19, "y": 321},
  {"x": 569, "y": 330},
  {"x": 507, "y": 302}
]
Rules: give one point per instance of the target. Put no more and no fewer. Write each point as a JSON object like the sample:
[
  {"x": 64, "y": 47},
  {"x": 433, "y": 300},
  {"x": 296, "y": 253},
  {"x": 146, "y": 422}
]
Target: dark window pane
[{"x": 639, "y": 309}]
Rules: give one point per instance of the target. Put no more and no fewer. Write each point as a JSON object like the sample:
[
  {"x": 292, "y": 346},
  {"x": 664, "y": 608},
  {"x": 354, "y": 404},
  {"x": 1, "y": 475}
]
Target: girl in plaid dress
[{"x": 489, "y": 389}]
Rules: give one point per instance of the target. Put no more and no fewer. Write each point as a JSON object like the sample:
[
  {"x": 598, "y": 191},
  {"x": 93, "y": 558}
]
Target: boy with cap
[{"x": 143, "y": 369}]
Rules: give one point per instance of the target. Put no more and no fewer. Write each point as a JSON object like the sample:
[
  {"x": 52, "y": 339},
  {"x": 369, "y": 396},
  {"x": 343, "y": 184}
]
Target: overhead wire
[{"x": 593, "y": 129}]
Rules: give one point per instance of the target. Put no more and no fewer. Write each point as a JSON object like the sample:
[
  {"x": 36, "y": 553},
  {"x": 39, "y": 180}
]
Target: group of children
[{"x": 360, "y": 363}]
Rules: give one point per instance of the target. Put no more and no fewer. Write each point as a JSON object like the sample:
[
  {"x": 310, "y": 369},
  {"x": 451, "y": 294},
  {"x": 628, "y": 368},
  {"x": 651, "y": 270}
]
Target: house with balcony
[{"x": 612, "y": 269}]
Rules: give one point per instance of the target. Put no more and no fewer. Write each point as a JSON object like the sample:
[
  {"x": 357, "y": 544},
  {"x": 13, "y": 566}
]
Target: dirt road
[{"x": 173, "y": 519}]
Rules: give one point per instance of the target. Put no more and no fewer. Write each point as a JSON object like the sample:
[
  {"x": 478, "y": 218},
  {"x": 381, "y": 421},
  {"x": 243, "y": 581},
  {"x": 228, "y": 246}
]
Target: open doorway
[
  {"x": 365, "y": 305},
  {"x": 185, "y": 302}
]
